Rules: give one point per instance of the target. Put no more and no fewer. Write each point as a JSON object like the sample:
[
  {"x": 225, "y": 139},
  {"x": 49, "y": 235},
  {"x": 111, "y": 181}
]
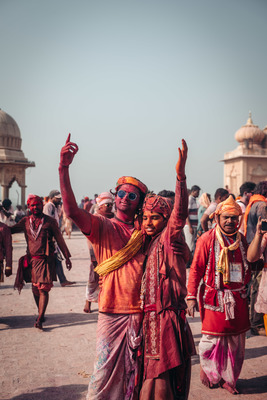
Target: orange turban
[
  {"x": 229, "y": 206},
  {"x": 132, "y": 181}
]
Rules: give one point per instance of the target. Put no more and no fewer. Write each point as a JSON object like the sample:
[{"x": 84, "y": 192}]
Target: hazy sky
[{"x": 129, "y": 79}]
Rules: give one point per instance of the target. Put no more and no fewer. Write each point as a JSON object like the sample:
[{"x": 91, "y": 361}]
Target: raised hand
[
  {"x": 68, "y": 152},
  {"x": 180, "y": 166}
]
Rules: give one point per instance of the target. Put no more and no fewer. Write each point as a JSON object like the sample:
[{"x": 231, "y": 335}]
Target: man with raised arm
[
  {"x": 117, "y": 247},
  {"x": 168, "y": 341}
]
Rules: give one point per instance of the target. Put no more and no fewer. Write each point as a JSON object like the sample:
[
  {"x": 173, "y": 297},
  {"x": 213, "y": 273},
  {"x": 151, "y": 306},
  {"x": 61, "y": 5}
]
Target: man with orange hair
[
  {"x": 117, "y": 247},
  {"x": 220, "y": 260}
]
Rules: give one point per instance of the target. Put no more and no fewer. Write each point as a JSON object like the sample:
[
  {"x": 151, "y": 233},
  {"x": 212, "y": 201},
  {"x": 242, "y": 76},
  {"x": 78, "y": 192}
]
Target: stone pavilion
[{"x": 13, "y": 163}]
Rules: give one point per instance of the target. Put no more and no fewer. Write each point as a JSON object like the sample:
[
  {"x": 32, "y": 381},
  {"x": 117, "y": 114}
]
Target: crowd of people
[{"x": 154, "y": 260}]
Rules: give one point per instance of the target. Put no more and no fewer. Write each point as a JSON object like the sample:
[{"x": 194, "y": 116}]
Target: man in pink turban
[
  {"x": 168, "y": 342},
  {"x": 40, "y": 231}
]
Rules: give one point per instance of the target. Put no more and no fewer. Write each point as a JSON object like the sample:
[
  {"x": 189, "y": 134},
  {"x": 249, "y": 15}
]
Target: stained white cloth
[{"x": 222, "y": 357}]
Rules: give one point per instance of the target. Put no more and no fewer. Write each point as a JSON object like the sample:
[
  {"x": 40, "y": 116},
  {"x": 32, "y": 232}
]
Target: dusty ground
[{"x": 55, "y": 364}]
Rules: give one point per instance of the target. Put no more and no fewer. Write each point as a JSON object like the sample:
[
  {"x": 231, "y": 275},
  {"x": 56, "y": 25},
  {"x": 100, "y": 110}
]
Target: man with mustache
[{"x": 220, "y": 260}]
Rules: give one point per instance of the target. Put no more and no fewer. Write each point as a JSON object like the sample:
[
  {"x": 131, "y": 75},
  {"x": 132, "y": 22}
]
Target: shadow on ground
[
  {"x": 253, "y": 385},
  {"x": 66, "y": 392},
  {"x": 53, "y": 321},
  {"x": 256, "y": 352}
]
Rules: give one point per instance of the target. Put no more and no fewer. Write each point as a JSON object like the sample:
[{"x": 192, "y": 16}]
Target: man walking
[
  {"x": 40, "y": 231},
  {"x": 51, "y": 209}
]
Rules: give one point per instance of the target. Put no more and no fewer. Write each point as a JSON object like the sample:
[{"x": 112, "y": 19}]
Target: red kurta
[
  {"x": 43, "y": 267},
  {"x": 5, "y": 244},
  {"x": 168, "y": 338},
  {"x": 213, "y": 292}
]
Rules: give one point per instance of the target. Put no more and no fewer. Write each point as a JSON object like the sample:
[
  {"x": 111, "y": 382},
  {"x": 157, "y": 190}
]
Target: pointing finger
[{"x": 68, "y": 138}]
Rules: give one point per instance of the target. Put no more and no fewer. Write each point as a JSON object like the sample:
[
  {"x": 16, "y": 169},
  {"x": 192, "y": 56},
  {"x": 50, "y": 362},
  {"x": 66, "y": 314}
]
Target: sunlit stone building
[
  {"x": 248, "y": 162},
  {"x": 13, "y": 163}
]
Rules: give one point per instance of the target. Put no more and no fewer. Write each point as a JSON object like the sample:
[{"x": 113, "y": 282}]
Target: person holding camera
[
  {"x": 257, "y": 207},
  {"x": 258, "y": 249}
]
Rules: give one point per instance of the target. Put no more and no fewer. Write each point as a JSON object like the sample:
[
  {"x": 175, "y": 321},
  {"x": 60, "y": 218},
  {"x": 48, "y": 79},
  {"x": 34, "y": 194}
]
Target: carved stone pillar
[
  {"x": 23, "y": 201},
  {"x": 4, "y": 192}
]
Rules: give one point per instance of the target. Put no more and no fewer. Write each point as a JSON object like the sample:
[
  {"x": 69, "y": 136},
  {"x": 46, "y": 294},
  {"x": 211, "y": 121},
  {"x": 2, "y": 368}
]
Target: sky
[{"x": 129, "y": 79}]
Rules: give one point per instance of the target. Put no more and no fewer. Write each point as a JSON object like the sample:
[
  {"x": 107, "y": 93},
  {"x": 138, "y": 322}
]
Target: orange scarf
[
  {"x": 122, "y": 256},
  {"x": 223, "y": 263},
  {"x": 254, "y": 199}
]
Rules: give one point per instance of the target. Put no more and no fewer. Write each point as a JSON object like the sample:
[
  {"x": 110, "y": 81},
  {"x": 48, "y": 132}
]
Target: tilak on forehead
[
  {"x": 158, "y": 204},
  {"x": 132, "y": 181}
]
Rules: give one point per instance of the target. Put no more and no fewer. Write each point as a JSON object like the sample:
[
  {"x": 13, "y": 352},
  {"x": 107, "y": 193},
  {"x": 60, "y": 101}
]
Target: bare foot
[
  {"x": 87, "y": 307},
  {"x": 229, "y": 388},
  {"x": 38, "y": 325},
  {"x": 42, "y": 319},
  {"x": 204, "y": 379}
]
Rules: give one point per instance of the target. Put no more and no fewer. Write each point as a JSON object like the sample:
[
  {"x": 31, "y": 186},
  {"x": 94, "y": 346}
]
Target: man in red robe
[
  {"x": 40, "y": 232},
  {"x": 220, "y": 260},
  {"x": 168, "y": 342},
  {"x": 5, "y": 251}
]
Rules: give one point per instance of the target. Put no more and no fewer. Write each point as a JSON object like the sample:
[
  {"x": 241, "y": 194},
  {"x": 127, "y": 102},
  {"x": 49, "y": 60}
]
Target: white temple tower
[{"x": 248, "y": 162}]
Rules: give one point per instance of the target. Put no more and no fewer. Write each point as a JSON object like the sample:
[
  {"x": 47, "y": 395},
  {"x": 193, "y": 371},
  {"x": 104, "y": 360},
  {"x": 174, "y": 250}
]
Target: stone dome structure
[
  {"x": 248, "y": 162},
  {"x": 10, "y": 139},
  {"x": 13, "y": 163},
  {"x": 8, "y": 125},
  {"x": 249, "y": 133}
]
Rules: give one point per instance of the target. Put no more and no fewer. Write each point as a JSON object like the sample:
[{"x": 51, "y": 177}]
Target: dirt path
[{"x": 55, "y": 364}]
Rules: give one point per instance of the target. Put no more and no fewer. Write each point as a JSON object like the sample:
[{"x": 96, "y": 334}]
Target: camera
[{"x": 264, "y": 226}]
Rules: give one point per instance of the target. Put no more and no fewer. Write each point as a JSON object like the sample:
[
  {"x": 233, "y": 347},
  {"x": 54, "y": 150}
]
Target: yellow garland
[
  {"x": 122, "y": 256},
  {"x": 223, "y": 263}
]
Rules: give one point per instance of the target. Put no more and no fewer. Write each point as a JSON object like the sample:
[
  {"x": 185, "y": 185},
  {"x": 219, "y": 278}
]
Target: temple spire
[{"x": 249, "y": 121}]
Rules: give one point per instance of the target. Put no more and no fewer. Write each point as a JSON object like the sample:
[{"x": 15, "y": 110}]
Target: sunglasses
[{"x": 132, "y": 196}]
